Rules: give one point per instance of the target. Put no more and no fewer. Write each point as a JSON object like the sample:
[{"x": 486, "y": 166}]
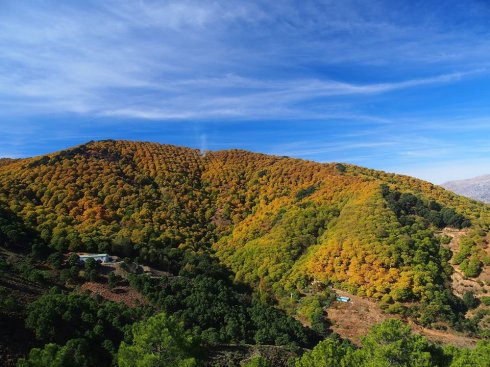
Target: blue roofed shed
[{"x": 343, "y": 299}]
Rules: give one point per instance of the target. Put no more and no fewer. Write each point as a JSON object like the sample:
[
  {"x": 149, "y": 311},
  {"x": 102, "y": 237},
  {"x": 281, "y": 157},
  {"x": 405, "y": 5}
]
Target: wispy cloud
[
  {"x": 252, "y": 98},
  {"x": 191, "y": 60}
]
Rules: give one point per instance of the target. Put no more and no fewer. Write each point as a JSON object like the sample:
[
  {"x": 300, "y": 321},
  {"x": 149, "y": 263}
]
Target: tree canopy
[{"x": 158, "y": 341}]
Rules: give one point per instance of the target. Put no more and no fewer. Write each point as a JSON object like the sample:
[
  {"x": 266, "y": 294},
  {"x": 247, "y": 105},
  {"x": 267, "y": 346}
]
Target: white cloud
[
  {"x": 254, "y": 98},
  {"x": 188, "y": 59}
]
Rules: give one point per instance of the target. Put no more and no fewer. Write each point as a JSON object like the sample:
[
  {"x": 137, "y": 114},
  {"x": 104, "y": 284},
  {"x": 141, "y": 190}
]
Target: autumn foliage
[{"x": 279, "y": 224}]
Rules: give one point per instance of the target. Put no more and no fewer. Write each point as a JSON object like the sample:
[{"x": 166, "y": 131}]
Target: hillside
[
  {"x": 6, "y": 161},
  {"x": 477, "y": 188},
  {"x": 236, "y": 232}
]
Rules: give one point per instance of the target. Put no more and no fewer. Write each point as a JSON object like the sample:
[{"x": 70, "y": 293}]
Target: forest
[{"x": 248, "y": 249}]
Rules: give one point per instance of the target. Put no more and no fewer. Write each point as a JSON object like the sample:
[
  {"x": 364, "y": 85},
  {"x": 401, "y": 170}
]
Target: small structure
[
  {"x": 343, "y": 299},
  {"x": 103, "y": 258}
]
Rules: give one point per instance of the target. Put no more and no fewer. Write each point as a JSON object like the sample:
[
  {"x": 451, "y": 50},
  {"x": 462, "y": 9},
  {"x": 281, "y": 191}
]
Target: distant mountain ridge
[{"x": 477, "y": 188}]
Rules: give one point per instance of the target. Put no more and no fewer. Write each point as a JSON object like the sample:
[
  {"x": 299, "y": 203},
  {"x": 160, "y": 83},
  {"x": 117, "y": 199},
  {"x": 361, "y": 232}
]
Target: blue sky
[{"x": 402, "y": 86}]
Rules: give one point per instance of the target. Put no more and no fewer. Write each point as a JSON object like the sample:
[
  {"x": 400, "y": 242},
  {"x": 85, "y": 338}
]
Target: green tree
[
  {"x": 340, "y": 168},
  {"x": 56, "y": 260},
  {"x": 258, "y": 361},
  {"x": 73, "y": 260},
  {"x": 56, "y": 318},
  {"x": 158, "y": 341},
  {"x": 485, "y": 300},
  {"x": 111, "y": 280},
  {"x": 470, "y": 300},
  {"x": 392, "y": 343},
  {"x": 477, "y": 357},
  {"x": 7, "y": 301},
  {"x": 76, "y": 353},
  {"x": 329, "y": 352},
  {"x": 91, "y": 266},
  {"x": 471, "y": 268}
]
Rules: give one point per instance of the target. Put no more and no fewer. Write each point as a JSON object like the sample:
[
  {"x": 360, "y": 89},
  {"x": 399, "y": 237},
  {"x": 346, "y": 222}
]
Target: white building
[{"x": 103, "y": 258}]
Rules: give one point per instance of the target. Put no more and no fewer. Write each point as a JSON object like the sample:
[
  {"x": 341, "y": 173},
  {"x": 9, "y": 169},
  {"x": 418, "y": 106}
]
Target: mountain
[
  {"x": 231, "y": 233},
  {"x": 477, "y": 188}
]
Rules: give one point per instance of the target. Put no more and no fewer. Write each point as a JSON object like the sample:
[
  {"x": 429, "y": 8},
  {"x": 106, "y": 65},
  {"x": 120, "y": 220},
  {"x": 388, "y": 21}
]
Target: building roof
[
  {"x": 343, "y": 299},
  {"x": 93, "y": 255}
]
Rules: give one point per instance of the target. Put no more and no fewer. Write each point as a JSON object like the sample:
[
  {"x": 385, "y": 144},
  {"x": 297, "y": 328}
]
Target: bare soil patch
[
  {"x": 353, "y": 320},
  {"x": 121, "y": 294}
]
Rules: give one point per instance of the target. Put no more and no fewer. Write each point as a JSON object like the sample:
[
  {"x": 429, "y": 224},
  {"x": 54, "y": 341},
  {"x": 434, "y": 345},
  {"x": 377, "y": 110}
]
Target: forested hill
[
  {"x": 6, "y": 161},
  {"x": 286, "y": 227}
]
